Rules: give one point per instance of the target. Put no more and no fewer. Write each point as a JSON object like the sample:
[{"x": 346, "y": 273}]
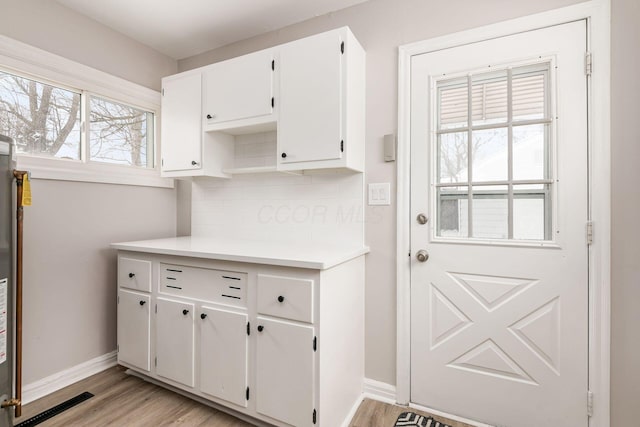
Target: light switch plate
[{"x": 380, "y": 193}]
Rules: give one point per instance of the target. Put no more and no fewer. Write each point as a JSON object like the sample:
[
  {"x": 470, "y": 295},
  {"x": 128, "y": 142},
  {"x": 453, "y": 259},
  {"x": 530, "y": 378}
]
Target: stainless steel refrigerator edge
[{"x": 6, "y": 278}]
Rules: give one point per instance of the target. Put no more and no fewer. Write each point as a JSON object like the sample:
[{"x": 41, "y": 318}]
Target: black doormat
[
  {"x": 410, "y": 419},
  {"x": 52, "y": 412}
]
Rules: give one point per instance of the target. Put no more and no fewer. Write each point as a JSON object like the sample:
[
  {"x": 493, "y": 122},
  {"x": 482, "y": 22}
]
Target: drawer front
[
  {"x": 204, "y": 284},
  {"x": 134, "y": 273},
  {"x": 286, "y": 297}
]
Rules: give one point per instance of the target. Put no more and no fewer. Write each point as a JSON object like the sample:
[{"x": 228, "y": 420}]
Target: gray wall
[
  {"x": 381, "y": 26},
  {"x": 57, "y": 29},
  {"x": 70, "y": 280},
  {"x": 625, "y": 198}
]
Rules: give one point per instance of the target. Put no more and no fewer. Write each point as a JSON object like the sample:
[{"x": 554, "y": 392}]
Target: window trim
[{"x": 30, "y": 62}]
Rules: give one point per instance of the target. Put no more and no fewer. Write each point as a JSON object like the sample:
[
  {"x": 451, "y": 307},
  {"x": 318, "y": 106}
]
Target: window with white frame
[
  {"x": 493, "y": 155},
  {"x": 46, "y": 120}
]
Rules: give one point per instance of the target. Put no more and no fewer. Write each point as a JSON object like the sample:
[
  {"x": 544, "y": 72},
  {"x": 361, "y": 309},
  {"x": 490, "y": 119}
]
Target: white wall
[
  {"x": 625, "y": 198},
  {"x": 381, "y": 26},
  {"x": 70, "y": 272}
]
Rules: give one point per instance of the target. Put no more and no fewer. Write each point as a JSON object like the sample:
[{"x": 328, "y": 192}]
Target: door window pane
[
  {"x": 43, "y": 120},
  {"x": 453, "y": 104},
  {"x": 453, "y": 211},
  {"x": 490, "y": 155},
  {"x": 453, "y": 157},
  {"x": 490, "y": 212},
  {"x": 529, "y": 95},
  {"x": 530, "y": 152},
  {"x": 489, "y": 98},
  {"x": 120, "y": 134},
  {"x": 531, "y": 212}
]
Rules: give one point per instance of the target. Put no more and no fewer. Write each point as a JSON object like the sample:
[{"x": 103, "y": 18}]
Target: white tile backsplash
[{"x": 323, "y": 208}]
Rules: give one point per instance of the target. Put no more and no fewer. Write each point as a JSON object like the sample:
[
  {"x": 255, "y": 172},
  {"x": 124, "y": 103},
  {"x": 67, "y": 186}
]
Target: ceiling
[{"x": 182, "y": 28}]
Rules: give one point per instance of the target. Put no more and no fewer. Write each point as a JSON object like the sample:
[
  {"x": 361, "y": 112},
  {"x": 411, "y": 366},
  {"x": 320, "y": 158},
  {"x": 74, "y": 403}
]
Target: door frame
[{"x": 597, "y": 14}]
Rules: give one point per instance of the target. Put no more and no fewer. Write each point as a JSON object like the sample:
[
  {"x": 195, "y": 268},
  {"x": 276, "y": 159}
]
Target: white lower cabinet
[
  {"x": 175, "y": 340},
  {"x": 223, "y": 354},
  {"x": 285, "y": 371},
  {"x": 282, "y": 345},
  {"x": 134, "y": 329}
]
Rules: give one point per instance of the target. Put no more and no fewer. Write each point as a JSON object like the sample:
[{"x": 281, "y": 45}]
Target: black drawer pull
[
  {"x": 203, "y": 316},
  {"x": 280, "y": 298},
  {"x": 131, "y": 275},
  {"x": 185, "y": 312},
  {"x": 143, "y": 302},
  {"x": 260, "y": 328}
]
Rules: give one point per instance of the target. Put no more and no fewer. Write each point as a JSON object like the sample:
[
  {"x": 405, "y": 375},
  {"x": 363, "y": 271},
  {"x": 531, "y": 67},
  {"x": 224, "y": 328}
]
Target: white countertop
[{"x": 302, "y": 255}]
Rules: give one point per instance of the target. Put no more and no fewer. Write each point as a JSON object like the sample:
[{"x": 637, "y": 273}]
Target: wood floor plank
[{"x": 124, "y": 400}]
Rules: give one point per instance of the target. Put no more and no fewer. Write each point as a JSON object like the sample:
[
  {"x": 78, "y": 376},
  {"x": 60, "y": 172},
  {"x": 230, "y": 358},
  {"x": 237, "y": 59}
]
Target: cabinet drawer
[
  {"x": 134, "y": 273},
  {"x": 285, "y": 297},
  {"x": 204, "y": 284}
]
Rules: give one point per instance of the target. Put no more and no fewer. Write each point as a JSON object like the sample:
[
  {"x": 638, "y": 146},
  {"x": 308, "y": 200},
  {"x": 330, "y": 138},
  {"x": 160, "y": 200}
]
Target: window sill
[{"x": 70, "y": 170}]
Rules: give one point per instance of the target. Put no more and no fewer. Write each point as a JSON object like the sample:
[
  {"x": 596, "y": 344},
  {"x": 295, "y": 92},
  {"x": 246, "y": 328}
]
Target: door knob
[
  {"x": 422, "y": 255},
  {"x": 422, "y": 219}
]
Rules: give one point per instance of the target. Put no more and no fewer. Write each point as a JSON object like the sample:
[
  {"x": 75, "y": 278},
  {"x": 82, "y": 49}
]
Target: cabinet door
[
  {"x": 223, "y": 354},
  {"x": 239, "y": 88},
  {"x": 174, "y": 341},
  {"x": 284, "y": 370},
  {"x": 134, "y": 331},
  {"x": 181, "y": 123},
  {"x": 310, "y": 116}
]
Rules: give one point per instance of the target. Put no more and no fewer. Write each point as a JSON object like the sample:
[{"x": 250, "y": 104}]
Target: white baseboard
[
  {"x": 378, "y": 390},
  {"x": 59, "y": 380},
  {"x": 352, "y": 411}
]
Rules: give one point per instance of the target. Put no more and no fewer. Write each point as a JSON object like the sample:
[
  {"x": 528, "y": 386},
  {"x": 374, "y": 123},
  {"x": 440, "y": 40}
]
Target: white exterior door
[{"x": 499, "y": 297}]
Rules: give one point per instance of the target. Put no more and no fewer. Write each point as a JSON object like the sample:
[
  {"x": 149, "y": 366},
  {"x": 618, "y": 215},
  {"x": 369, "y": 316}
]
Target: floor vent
[{"x": 52, "y": 412}]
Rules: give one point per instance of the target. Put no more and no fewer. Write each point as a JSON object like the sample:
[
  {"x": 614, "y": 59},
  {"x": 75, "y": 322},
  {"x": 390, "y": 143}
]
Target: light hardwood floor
[{"x": 123, "y": 400}]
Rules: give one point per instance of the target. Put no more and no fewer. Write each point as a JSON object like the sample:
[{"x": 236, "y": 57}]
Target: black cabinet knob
[
  {"x": 209, "y": 116},
  {"x": 193, "y": 163},
  {"x": 143, "y": 302},
  {"x": 131, "y": 275},
  {"x": 203, "y": 316},
  {"x": 185, "y": 312},
  {"x": 280, "y": 298},
  {"x": 284, "y": 155},
  {"x": 260, "y": 328}
]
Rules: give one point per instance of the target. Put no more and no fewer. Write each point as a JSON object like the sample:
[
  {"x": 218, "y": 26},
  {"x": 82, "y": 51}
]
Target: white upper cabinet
[
  {"x": 310, "y": 125},
  {"x": 310, "y": 91},
  {"x": 181, "y": 125},
  {"x": 239, "y": 89},
  {"x": 322, "y": 102}
]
